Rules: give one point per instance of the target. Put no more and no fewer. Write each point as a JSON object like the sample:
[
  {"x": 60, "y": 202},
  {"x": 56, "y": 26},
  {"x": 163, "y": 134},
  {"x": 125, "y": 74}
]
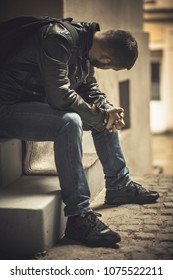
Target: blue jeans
[{"x": 36, "y": 121}]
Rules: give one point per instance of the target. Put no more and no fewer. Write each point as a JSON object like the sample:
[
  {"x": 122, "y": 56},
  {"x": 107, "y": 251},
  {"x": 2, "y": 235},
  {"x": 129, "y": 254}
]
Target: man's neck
[{"x": 95, "y": 48}]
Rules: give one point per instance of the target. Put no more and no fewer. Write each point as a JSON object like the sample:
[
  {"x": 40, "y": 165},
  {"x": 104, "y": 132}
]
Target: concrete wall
[
  {"x": 12, "y": 8},
  {"x": 119, "y": 14}
]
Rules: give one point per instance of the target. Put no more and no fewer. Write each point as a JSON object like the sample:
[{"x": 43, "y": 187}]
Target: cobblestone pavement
[{"x": 146, "y": 230}]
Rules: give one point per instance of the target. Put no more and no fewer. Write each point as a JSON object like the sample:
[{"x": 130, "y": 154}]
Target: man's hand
[{"x": 116, "y": 121}]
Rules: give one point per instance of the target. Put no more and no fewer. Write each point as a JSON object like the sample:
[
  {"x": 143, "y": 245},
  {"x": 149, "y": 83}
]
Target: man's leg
[
  {"x": 120, "y": 188},
  {"x": 39, "y": 122},
  {"x": 110, "y": 154}
]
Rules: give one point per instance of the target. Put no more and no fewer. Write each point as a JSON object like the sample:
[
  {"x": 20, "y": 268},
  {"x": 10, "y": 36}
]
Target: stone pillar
[
  {"x": 127, "y": 15},
  {"x": 167, "y": 78}
]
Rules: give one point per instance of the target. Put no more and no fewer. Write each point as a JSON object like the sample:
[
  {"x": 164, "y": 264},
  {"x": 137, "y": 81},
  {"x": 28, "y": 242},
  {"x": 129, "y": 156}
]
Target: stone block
[
  {"x": 30, "y": 215},
  {"x": 31, "y": 211}
]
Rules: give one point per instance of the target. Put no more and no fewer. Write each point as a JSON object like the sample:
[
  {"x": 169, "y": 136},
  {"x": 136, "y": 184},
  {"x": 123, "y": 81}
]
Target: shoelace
[
  {"x": 139, "y": 187},
  {"x": 92, "y": 220}
]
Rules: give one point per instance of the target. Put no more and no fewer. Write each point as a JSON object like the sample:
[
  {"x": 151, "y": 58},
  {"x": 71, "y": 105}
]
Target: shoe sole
[
  {"x": 103, "y": 243},
  {"x": 133, "y": 201},
  {"x": 107, "y": 244}
]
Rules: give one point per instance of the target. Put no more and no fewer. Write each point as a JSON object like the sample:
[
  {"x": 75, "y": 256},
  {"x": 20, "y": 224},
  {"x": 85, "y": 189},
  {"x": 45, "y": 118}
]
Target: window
[
  {"x": 156, "y": 57},
  {"x": 155, "y": 80},
  {"x": 124, "y": 96}
]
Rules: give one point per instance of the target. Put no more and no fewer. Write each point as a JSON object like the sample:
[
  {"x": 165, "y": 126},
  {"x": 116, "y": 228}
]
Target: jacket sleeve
[
  {"x": 91, "y": 93},
  {"x": 53, "y": 62}
]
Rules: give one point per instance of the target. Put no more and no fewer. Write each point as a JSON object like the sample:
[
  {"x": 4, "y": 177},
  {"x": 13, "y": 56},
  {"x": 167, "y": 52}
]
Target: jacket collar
[{"x": 86, "y": 36}]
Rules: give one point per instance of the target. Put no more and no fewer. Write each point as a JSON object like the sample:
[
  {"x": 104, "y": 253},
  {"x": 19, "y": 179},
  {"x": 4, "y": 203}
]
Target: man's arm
[
  {"x": 53, "y": 61},
  {"x": 91, "y": 93}
]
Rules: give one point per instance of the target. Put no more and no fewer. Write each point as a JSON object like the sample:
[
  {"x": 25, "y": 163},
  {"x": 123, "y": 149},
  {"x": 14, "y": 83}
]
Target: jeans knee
[{"x": 74, "y": 120}]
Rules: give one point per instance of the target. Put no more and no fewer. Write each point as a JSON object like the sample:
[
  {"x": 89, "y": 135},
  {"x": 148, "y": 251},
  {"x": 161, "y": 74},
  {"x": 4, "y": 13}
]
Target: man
[{"x": 48, "y": 93}]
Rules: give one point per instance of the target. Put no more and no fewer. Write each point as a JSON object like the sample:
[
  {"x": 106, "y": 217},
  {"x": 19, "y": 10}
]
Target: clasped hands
[{"x": 116, "y": 121}]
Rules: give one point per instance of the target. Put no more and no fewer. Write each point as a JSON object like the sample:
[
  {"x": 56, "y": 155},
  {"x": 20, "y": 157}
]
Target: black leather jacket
[{"x": 49, "y": 69}]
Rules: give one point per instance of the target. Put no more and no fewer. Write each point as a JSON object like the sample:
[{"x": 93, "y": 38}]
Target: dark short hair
[{"x": 122, "y": 47}]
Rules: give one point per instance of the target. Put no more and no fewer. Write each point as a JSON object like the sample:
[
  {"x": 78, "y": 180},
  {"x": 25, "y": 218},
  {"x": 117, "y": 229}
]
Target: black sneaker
[
  {"x": 91, "y": 231},
  {"x": 133, "y": 193}
]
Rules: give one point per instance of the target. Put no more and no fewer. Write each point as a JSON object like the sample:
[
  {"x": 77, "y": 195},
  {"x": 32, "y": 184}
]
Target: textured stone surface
[{"x": 146, "y": 230}]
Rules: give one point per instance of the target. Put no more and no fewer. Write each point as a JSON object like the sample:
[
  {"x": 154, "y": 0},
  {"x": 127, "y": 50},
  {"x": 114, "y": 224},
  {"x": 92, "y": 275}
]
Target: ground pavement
[{"x": 146, "y": 230}]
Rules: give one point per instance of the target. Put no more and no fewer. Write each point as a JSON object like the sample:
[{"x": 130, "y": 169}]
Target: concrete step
[{"x": 31, "y": 211}]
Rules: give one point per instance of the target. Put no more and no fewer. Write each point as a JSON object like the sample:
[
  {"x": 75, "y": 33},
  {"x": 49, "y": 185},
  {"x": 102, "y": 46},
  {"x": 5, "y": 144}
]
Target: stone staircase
[{"x": 31, "y": 209}]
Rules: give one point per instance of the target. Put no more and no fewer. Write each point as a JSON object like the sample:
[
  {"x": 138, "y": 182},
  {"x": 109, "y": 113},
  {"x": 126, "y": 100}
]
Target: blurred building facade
[
  {"x": 129, "y": 89},
  {"x": 158, "y": 22}
]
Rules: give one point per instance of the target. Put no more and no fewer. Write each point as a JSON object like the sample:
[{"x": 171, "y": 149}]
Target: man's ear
[{"x": 105, "y": 59}]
